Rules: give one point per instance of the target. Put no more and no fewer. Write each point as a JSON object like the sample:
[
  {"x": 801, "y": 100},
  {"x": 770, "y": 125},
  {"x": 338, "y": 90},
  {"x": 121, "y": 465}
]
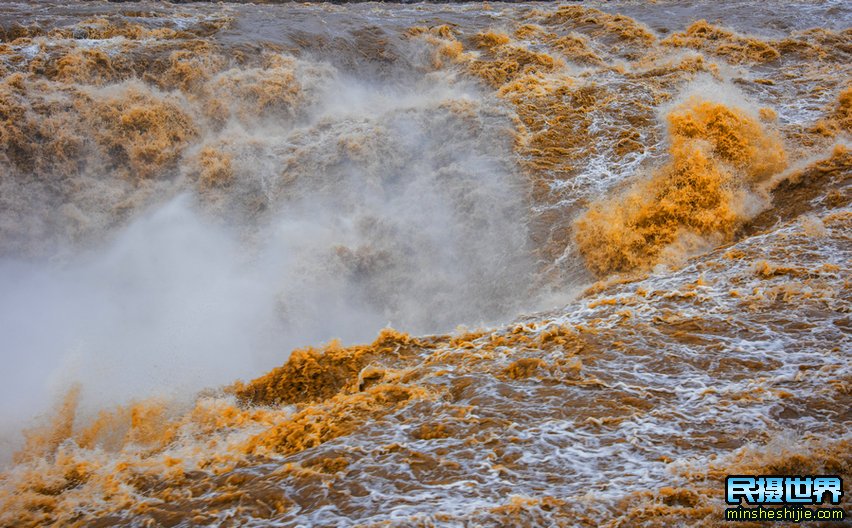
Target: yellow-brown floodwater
[{"x": 600, "y": 253}]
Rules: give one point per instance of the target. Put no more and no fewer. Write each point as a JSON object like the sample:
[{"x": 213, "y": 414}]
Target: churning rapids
[{"x": 612, "y": 239}]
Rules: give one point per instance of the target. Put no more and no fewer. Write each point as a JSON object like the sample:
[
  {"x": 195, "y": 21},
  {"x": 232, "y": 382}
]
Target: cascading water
[{"x": 195, "y": 194}]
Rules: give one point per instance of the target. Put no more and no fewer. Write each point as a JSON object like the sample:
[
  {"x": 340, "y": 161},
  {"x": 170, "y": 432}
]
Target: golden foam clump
[
  {"x": 83, "y": 66},
  {"x": 716, "y": 153},
  {"x": 843, "y": 113},
  {"x": 102, "y": 28},
  {"x": 314, "y": 375},
  {"x": 734, "y": 48},
  {"x": 768, "y": 115},
  {"x": 491, "y": 39},
  {"x": 529, "y": 31},
  {"x": 507, "y": 62},
  {"x": 150, "y": 132},
  {"x": 215, "y": 168},
  {"x": 332, "y": 418},
  {"x": 734, "y": 138},
  {"x": 523, "y": 368},
  {"x": 839, "y": 121},
  {"x": 14, "y": 141},
  {"x": 601, "y": 25},
  {"x": 189, "y": 67},
  {"x": 576, "y": 48},
  {"x": 445, "y": 47},
  {"x": 631, "y": 231}
]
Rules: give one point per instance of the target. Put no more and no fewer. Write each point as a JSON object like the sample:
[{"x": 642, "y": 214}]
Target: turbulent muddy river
[{"x": 600, "y": 252}]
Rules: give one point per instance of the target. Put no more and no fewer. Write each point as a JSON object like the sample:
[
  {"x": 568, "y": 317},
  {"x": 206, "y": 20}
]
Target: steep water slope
[{"x": 189, "y": 192}]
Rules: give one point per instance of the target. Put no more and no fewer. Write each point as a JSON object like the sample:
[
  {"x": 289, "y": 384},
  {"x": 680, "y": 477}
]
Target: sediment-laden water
[{"x": 612, "y": 240}]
